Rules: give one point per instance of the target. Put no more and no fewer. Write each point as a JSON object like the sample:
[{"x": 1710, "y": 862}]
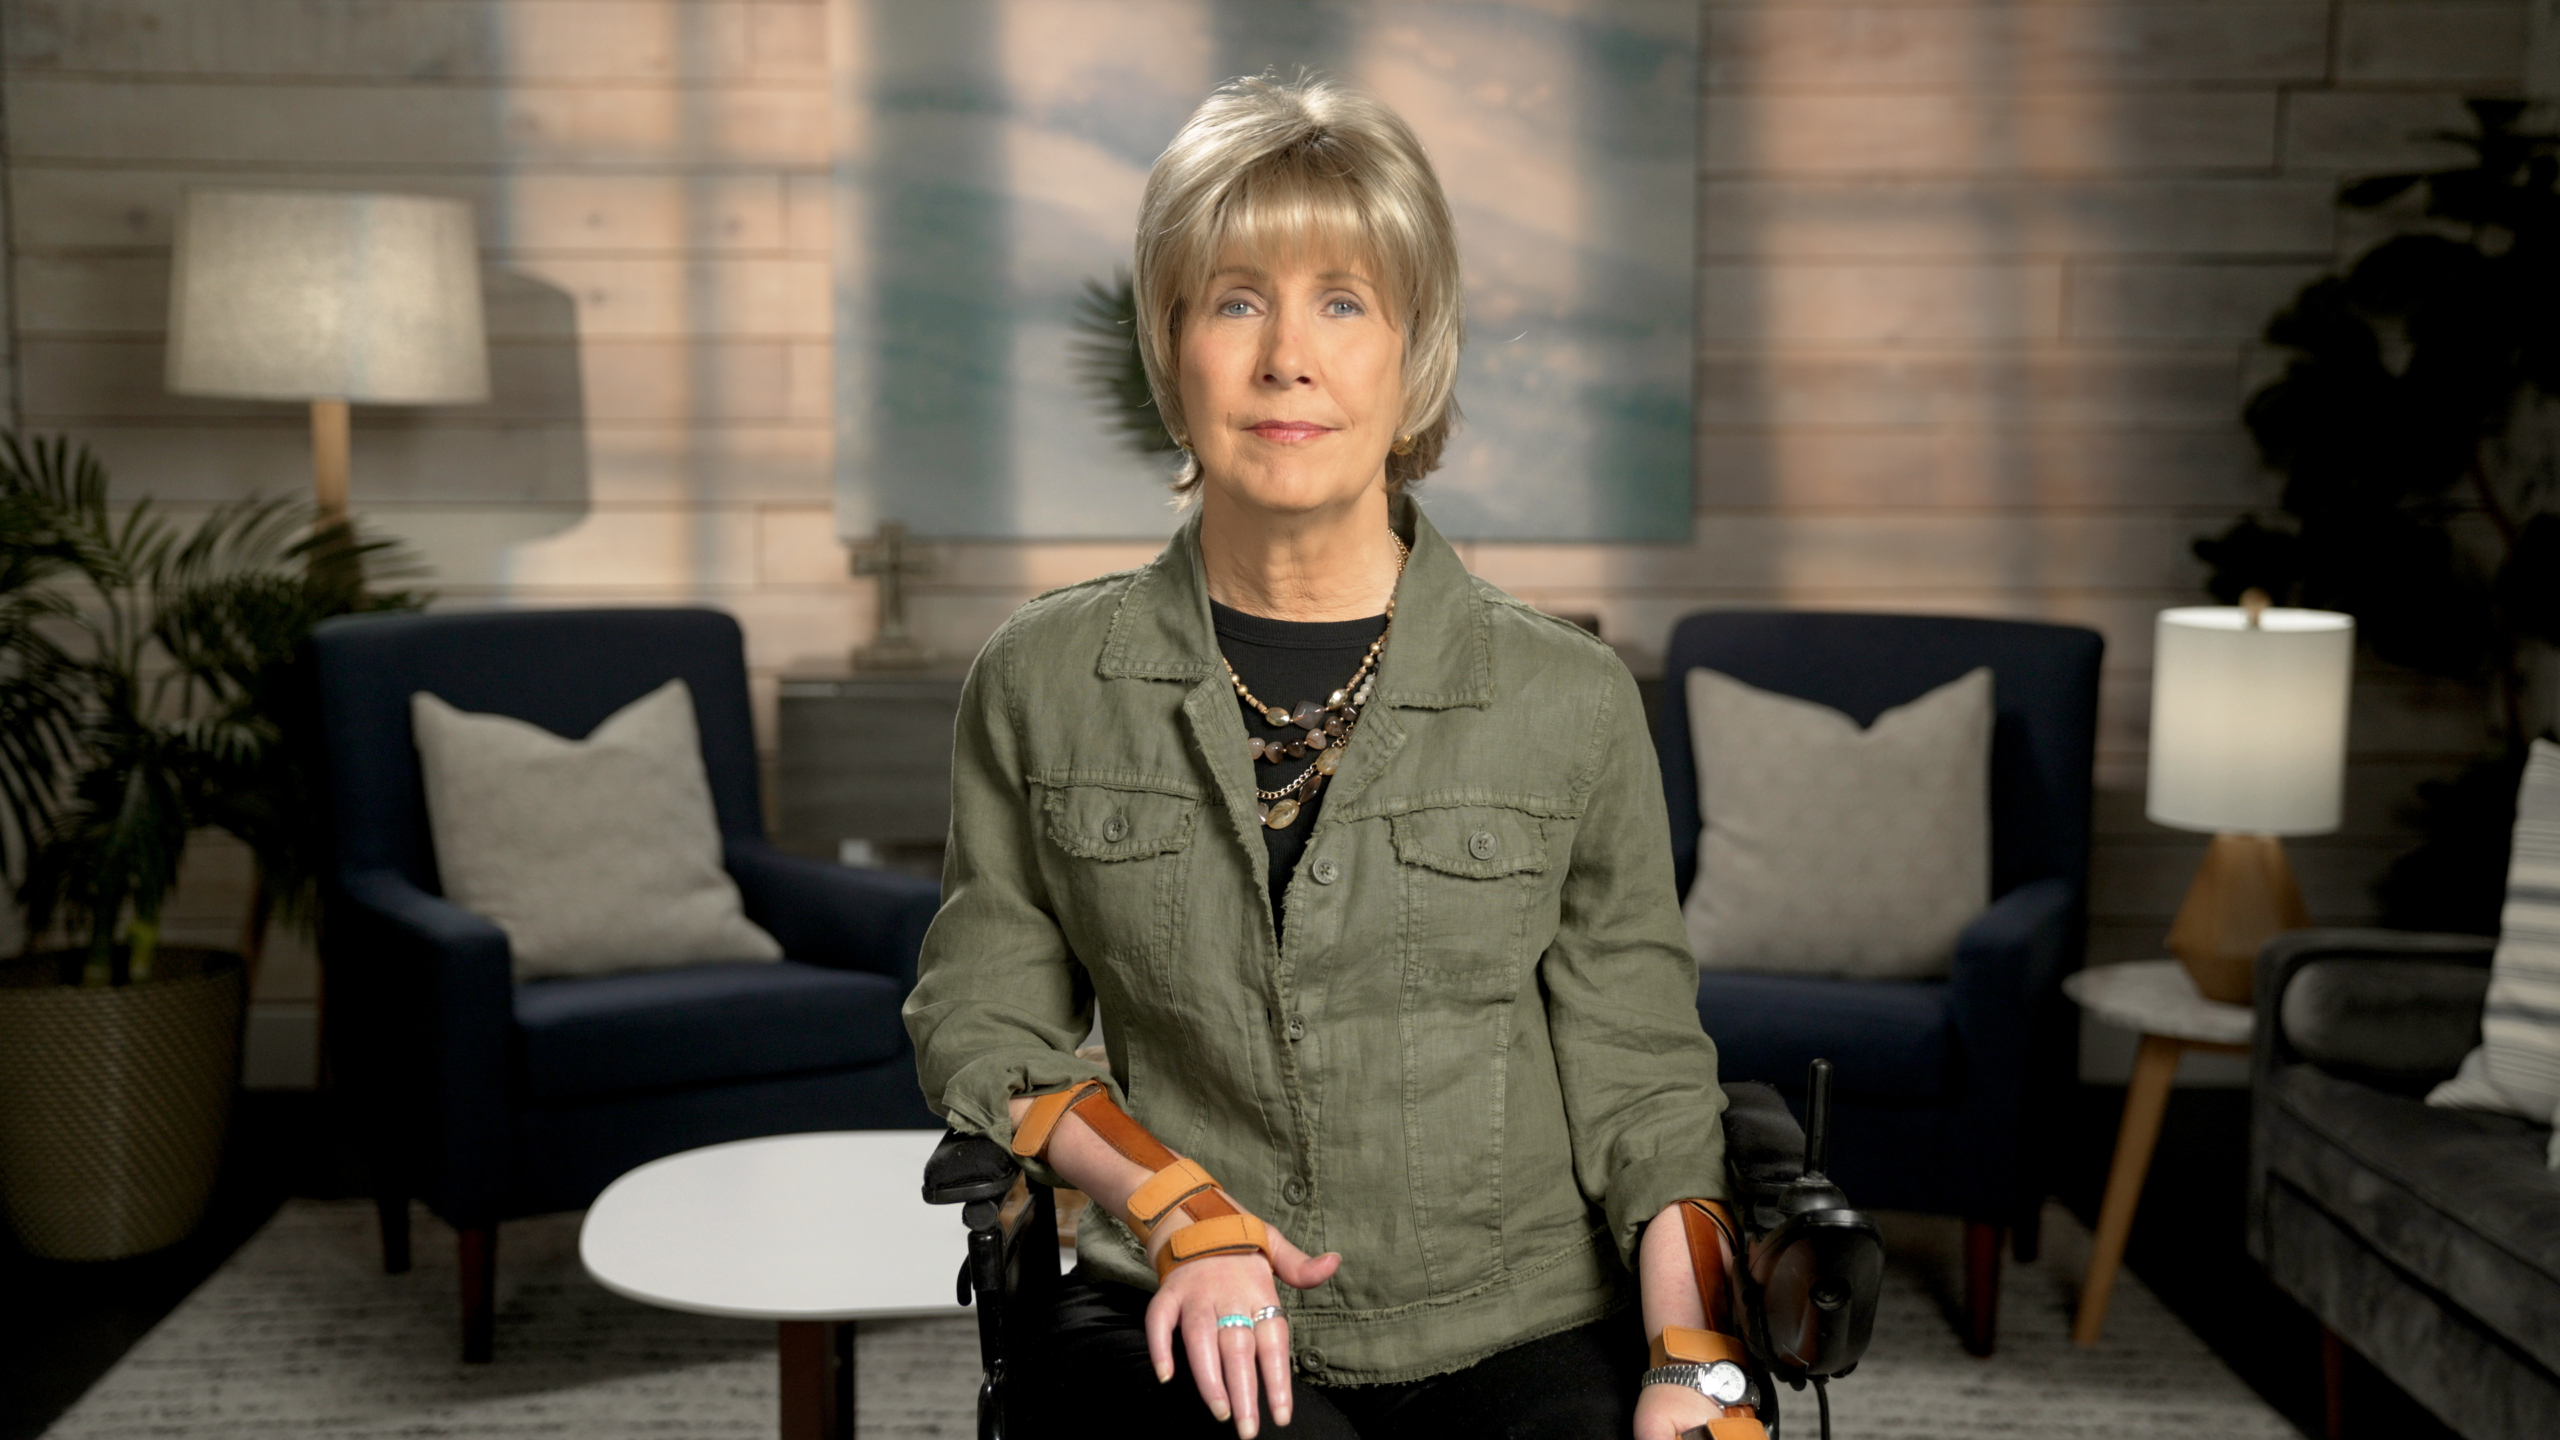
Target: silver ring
[
  {"x": 1267, "y": 1312},
  {"x": 1235, "y": 1322}
]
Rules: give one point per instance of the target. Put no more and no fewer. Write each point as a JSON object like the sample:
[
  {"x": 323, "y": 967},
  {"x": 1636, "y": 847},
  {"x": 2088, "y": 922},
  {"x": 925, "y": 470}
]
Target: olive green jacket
[{"x": 1475, "y": 1061}]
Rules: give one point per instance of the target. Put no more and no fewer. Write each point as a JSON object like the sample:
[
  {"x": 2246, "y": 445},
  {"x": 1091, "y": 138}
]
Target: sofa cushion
[
  {"x": 700, "y": 1024},
  {"x": 2517, "y": 1067},
  {"x": 2459, "y": 1198},
  {"x": 2472, "y": 1379},
  {"x": 1885, "y": 1039}
]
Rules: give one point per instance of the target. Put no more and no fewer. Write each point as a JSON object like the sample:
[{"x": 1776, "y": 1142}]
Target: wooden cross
[{"x": 887, "y": 558}]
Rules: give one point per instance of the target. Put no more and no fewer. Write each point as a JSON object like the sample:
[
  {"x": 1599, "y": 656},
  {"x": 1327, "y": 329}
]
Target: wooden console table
[{"x": 865, "y": 757}]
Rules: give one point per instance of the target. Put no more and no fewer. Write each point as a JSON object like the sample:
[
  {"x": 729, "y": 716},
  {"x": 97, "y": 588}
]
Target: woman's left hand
[{"x": 1667, "y": 1412}]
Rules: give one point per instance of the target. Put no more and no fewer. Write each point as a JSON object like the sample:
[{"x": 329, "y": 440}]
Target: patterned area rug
[{"x": 302, "y": 1335}]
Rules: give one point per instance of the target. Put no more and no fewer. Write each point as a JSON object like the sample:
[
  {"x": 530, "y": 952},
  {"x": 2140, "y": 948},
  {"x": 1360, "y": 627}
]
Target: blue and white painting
[{"x": 990, "y": 161}]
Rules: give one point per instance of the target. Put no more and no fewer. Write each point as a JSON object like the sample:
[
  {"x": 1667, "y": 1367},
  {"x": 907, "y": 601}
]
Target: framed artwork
[{"x": 990, "y": 159}]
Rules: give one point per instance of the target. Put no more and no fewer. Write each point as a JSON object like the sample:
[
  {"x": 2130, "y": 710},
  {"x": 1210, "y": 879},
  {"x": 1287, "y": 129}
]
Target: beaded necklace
[{"x": 1328, "y": 725}]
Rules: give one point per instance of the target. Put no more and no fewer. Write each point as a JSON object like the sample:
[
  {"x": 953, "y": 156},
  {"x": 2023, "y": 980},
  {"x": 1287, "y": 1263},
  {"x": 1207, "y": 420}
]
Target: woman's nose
[{"x": 1283, "y": 364}]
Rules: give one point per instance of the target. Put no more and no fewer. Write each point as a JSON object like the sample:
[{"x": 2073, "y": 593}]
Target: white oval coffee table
[{"x": 816, "y": 1232}]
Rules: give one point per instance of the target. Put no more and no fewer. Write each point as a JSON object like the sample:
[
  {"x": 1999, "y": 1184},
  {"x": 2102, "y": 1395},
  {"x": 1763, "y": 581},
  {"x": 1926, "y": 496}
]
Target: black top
[{"x": 1283, "y": 662}]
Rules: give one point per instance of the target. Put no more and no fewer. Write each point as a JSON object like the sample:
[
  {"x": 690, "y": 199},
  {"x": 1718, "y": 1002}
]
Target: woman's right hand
[{"x": 1227, "y": 1363}]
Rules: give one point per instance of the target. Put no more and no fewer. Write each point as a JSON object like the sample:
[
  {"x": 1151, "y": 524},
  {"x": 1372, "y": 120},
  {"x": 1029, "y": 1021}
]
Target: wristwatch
[{"x": 1721, "y": 1381}]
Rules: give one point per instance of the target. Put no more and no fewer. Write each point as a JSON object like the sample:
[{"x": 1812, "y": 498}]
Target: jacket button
[
  {"x": 1297, "y": 1027},
  {"x": 1326, "y": 871},
  {"x": 1311, "y": 1358},
  {"x": 1115, "y": 829},
  {"x": 1295, "y": 1192},
  {"x": 1482, "y": 845}
]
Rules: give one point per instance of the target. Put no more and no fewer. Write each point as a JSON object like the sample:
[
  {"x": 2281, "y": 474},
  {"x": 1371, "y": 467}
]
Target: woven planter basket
[{"x": 114, "y": 1102}]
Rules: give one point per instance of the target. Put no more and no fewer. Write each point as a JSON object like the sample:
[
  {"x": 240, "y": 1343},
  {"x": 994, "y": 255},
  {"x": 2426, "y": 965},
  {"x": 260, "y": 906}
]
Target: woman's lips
[{"x": 1289, "y": 432}]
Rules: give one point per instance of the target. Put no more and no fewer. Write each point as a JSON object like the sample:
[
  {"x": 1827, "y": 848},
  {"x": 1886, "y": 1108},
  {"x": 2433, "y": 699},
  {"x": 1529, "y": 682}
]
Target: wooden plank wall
[{"x": 1978, "y": 287}]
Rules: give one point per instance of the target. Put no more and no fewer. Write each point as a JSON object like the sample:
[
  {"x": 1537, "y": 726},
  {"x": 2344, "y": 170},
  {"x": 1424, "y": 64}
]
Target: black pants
[{"x": 1093, "y": 1377}]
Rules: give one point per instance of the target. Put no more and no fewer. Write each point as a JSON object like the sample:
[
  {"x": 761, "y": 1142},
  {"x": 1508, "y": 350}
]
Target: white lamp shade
[
  {"x": 320, "y": 295},
  {"x": 2249, "y": 725}
]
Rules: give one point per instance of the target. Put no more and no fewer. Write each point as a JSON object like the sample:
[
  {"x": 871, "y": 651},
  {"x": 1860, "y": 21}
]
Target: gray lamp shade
[
  {"x": 2249, "y": 723},
  {"x": 311, "y": 295}
]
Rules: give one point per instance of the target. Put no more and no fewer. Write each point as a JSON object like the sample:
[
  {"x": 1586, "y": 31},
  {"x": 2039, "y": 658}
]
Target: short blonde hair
[{"x": 1264, "y": 166}]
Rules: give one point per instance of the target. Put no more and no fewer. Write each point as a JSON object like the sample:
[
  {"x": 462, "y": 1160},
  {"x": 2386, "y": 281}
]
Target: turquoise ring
[{"x": 1235, "y": 1322}]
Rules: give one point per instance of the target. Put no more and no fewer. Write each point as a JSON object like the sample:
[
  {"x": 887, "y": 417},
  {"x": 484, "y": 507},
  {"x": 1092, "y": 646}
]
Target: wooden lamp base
[
  {"x": 2243, "y": 893},
  {"x": 329, "y": 459}
]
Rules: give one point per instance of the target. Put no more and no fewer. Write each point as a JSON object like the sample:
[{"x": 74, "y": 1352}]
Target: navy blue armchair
[
  {"x": 1940, "y": 1086},
  {"x": 491, "y": 1100}
]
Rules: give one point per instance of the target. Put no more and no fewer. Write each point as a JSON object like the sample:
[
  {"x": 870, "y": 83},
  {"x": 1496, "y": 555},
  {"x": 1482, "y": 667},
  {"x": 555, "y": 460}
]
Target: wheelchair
[{"x": 1806, "y": 1290}]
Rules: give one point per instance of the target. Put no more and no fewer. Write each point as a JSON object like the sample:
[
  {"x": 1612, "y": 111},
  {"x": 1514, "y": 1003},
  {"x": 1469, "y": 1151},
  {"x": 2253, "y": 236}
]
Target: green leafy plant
[
  {"x": 1105, "y": 355},
  {"x": 160, "y": 668},
  {"x": 2415, "y": 430}
]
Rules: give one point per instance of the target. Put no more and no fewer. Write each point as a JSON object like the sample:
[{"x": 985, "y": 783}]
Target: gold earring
[{"x": 1403, "y": 445}]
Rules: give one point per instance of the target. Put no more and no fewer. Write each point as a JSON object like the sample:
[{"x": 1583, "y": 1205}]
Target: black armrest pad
[
  {"x": 968, "y": 1167},
  {"x": 1763, "y": 1144}
]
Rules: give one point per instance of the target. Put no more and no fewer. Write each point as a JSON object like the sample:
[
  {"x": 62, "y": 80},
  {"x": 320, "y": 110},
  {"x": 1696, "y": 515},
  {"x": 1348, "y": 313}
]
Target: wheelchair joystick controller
[{"x": 1814, "y": 1264}]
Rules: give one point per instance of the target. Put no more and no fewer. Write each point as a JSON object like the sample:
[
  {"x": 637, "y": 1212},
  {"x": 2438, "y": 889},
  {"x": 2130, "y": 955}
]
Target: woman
[{"x": 1365, "y": 864}]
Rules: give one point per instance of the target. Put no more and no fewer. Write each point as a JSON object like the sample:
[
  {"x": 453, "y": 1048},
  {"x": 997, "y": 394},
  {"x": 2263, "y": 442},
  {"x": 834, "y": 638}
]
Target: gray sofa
[{"x": 2427, "y": 1240}]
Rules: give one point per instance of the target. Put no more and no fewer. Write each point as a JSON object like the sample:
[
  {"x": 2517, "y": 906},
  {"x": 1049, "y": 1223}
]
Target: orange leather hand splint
[
  {"x": 1217, "y": 1227},
  {"x": 1704, "y": 1223}
]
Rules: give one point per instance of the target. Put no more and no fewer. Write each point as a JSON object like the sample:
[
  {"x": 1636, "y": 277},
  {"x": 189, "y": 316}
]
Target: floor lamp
[
  {"x": 331, "y": 298},
  {"x": 2248, "y": 742}
]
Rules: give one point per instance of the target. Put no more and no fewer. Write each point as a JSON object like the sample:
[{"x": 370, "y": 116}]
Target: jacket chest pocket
[
  {"x": 1117, "y": 875},
  {"x": 1466, "y": 876}
]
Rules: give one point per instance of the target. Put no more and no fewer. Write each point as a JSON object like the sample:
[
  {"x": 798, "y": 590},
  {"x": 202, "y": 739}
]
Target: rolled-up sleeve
[
  {"x": 1638, "y": 1073},
  {"x": 1000, "y": 1001}
]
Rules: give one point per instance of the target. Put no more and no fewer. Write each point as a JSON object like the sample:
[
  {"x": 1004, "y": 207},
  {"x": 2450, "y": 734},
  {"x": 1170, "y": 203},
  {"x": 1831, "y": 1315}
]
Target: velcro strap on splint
[
  {"x": 1165, "y": 1189},
  {"x": 1677, "y": 1344},
  {"x": 1234, "y": 1233},
  {"x": 1736, "y": 1427},
  {"x": 1031, "y": 1132}
]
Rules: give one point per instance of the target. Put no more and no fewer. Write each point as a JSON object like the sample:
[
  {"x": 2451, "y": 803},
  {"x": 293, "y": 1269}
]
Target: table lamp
[
  {"x": 328, "y": 297},
  {"x": 2249, "y": 742}
]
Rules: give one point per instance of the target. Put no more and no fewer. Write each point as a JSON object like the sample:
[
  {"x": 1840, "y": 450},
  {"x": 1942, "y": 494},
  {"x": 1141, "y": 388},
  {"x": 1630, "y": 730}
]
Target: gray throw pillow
[
  {"x": 1831, "y": 850},
  {"x": 2516, "y": 1069},
  {"x": 594, "y": 855}
]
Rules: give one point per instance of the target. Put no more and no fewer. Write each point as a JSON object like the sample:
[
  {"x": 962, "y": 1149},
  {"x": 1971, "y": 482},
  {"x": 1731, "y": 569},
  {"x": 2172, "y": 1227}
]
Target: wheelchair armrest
[
  {"x": 1764, "y": 1150},
  {"x": 968, "y": 1168}
]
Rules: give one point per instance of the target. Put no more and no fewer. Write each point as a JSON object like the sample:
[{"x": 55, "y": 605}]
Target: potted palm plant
[{"x": 146, "y": 677}]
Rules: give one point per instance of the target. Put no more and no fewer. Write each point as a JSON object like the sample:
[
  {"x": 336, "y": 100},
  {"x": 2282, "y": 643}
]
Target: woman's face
[{"x": 1292, "y": 382}]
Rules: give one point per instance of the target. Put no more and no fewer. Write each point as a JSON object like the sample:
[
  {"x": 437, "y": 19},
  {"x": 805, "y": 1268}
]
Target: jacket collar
[{"x": 1440, "y": 654}]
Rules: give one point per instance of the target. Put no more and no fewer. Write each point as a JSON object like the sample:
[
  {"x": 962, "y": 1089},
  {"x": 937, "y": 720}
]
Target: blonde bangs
[
  {"x": 1287, "y": 209},
  {"x": 1268, "y": 173}
]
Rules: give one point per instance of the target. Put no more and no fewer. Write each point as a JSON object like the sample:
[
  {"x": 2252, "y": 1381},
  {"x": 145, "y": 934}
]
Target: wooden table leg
[
  {"x": 2144, "y": 1101},
  {"x": 817, "y": 1380}
]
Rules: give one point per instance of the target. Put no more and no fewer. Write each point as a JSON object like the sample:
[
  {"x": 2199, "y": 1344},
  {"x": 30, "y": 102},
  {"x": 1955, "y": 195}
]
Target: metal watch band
[{"x": 1691, "y": 1376}]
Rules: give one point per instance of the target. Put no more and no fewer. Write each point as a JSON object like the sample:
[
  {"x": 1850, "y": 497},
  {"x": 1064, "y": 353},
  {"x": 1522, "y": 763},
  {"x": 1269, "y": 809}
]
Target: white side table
[
  {"x": 2156, "y": 1000},
  {"x": 815, "y": 1231}
]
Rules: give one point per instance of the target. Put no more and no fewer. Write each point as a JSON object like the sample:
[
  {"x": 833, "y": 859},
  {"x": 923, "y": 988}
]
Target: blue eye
[
  {"x": 1342, "y": 307},
  {"x": 1235, "y": 308}
]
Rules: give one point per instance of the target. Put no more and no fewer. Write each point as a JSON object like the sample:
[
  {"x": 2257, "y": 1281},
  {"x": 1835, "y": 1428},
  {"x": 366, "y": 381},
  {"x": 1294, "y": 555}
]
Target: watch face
[{"x": 1726, "y": 1384}]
